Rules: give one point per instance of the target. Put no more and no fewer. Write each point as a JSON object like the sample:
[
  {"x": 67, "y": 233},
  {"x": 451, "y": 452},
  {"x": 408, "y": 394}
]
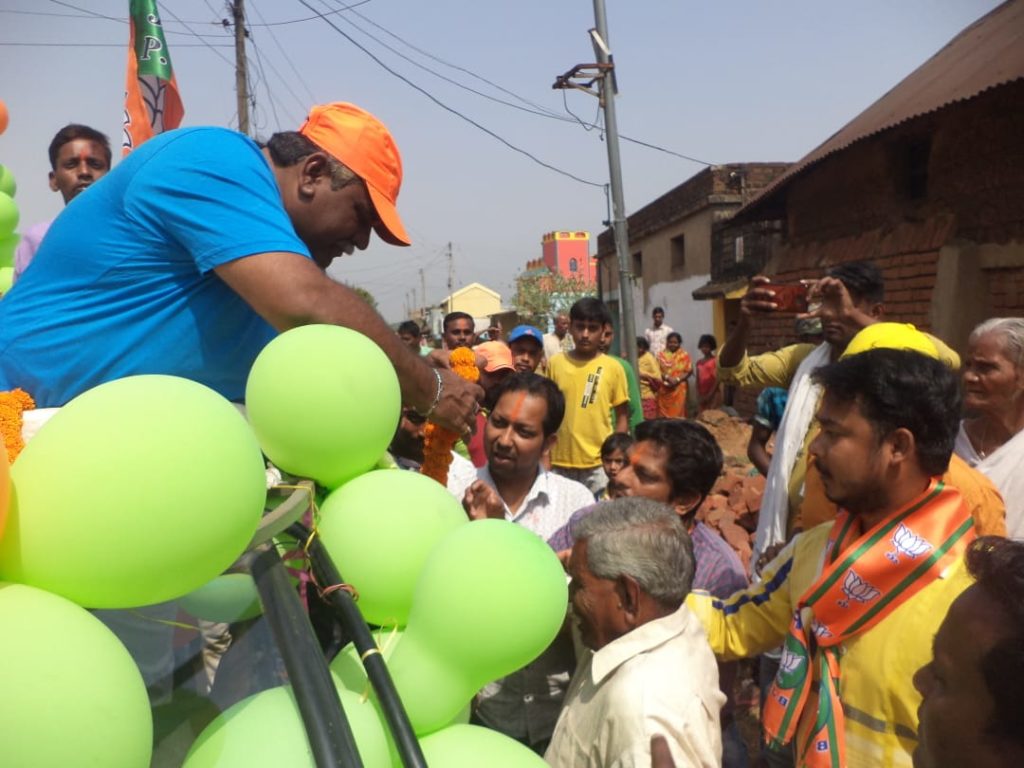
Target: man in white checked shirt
[{"x": 514, "y": 486}]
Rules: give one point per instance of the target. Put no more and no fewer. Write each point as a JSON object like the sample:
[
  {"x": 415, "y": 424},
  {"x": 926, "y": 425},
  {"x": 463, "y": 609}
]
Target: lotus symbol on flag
[
  {"x": 906, "y": 542},
  {"x": 820, "y": 630},
  {"x": 857, "y": 589},
  {"x": 789, "y": 662}
]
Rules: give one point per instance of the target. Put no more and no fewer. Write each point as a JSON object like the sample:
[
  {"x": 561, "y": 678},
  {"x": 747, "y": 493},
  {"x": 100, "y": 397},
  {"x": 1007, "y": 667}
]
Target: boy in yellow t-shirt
[{"x": 593, "y": 385}]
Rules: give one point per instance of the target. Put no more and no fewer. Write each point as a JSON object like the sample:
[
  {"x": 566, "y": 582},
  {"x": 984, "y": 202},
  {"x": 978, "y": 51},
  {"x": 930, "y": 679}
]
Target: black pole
[
  {"x": 376, "y": 671},
  {"x": 327, "y": 729}
]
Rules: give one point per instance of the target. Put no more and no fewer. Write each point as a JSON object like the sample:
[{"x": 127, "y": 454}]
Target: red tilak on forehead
[
  {"x": 517, "y": 407},
  {"x": 83, "y": 156}
]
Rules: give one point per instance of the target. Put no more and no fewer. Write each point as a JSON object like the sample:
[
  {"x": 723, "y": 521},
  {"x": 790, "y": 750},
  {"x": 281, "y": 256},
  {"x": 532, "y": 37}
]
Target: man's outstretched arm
[{"x": 288, "y": 290}]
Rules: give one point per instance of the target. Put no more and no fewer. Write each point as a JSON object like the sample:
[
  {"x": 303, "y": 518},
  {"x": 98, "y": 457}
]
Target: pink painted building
[{"x": 567, "y": 254}]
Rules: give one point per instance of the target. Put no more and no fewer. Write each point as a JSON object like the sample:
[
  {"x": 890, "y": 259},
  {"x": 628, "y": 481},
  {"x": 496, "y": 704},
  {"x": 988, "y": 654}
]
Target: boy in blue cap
[{"x": 527, "y": 345}]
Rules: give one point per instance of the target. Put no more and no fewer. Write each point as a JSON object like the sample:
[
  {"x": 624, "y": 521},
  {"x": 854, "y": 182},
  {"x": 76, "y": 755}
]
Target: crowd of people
[
  {"x": 886, "y": 602},
  {"x": 879, "y": 507}
]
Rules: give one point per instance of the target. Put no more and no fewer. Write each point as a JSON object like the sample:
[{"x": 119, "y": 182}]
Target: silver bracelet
[{"x": 437, "y": 397}]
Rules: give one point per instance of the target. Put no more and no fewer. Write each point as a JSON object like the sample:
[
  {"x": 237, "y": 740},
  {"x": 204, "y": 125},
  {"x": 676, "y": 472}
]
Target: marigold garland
[
  {"x": 12, "y": 405},
  {"x": 438, "y": 441}
]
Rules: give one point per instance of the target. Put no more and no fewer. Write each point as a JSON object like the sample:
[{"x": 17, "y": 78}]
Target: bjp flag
[{"x": 151, "y": 101}]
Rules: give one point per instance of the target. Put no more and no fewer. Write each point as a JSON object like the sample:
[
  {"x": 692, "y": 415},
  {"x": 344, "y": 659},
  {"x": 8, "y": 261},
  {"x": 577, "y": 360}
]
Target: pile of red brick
[{"x": 733, "y": 504}]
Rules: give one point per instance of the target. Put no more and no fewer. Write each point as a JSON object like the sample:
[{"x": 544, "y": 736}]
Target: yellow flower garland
[
  {"x": 438, "y": 441},
  {"x": 12, "y": 405}
]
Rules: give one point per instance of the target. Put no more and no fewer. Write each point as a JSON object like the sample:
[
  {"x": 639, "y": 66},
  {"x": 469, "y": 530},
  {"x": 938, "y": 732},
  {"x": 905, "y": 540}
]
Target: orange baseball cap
[
  {"x": 497, "y": 356},
  {"x": 359, "y": 140}
]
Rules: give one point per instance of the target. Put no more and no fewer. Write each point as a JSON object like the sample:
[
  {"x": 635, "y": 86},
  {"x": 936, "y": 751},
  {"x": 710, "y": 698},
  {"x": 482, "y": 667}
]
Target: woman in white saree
[{"x": 991, "y": 436}]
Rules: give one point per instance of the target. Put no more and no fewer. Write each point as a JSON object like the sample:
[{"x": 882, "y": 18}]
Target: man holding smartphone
[{"x": 851, "y": 297}]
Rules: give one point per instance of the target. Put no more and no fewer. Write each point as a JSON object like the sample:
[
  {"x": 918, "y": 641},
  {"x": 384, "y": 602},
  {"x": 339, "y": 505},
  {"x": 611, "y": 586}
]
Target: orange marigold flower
[
  {"x": 12, "y": 405},
  {"x": 438, "y": 441}
]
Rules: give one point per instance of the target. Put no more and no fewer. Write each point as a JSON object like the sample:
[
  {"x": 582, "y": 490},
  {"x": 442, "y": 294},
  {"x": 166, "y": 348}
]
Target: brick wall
[
  {"x": 1007, "y": 289},
  {"x": 877, "y": 200}
]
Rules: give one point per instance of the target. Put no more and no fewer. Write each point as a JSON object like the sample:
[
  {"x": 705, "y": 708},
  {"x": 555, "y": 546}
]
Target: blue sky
[{"x": 721, "y": 81}]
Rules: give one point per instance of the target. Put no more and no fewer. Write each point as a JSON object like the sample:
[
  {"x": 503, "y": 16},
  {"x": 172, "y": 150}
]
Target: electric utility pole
[
  {"x": 241, "y": 73},
  {"x": 451, "y": 270},
  {"x": 584, "y": 77}
]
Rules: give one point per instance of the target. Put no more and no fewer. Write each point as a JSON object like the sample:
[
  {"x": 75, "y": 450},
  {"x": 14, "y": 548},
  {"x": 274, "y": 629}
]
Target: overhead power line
[
  {"x": 219, "y": 55},
  {"x": 447, "y": 108},
  {"x": 86, "y": 14},
  {"x": 102, "y": 45},
  {"x": 535, "y": 108},
  {"x": 287, "y": 58}
]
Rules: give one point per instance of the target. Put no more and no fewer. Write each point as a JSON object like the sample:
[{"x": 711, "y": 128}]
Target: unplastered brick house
[{"x": 928, "y": 182}]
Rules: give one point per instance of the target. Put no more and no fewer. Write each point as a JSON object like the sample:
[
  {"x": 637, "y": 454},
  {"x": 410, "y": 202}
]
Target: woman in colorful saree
[{"x": 675, "y": 370}]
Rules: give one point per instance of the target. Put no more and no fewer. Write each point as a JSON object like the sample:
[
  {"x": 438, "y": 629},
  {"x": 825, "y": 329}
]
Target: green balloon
[
  {"x": 8, "y": 215},
  {"x": 6, "y": 279},
  {"x": 7, "y": 183},
  {"x": 324, "y": 402},
  {"x": 7, "y": 246},
  {"x": 491, "y": 597},
  {"x": 462, "y": 746},
  {"x": 266, "y": 730},
  {"x": 228, "y": 598},
  {"x": 71, "y": 694},
  {"x": 348, "y": 669},
  {"x": 350, "y": 674},
  {"x": 379, "y": 529},
  {"x": 137, "y": 491}
]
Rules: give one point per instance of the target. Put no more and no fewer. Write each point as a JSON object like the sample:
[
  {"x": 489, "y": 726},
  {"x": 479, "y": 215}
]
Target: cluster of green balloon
[
  {"x": 379, "y": 529},
  {"x": 71, "y": 693},
  {"x": 324, "y": 402},
  {"x": 490, "y": 598},
  {"x": 138, "y": 491},
  {"x": 266, "y": 731}
]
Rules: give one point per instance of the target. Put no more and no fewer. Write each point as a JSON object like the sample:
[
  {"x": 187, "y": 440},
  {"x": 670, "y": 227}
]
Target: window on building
[
  {"x": 638, "y": 265},
  {"x": 912, "y": 156},
  {"x": 738, "y": 248},
  {"x": 678, "y": 248},
  {"x": 573, "y": 265}
]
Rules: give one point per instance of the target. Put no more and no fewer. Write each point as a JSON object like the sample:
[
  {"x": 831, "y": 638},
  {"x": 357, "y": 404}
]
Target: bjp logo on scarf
[
  {"x": 906, "y": 542},
  {"x": 855, "y": 588}
]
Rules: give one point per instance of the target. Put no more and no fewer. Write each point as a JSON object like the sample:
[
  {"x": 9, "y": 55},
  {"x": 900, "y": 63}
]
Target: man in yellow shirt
[
  {"x": 856, "y": 601},
  {"x": 851, "y": 297},
  {"x": 594, "y": 385}
]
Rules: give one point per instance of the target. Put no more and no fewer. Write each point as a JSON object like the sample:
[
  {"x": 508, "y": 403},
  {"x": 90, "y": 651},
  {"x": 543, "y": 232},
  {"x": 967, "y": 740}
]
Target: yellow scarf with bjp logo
[{"x": 866, "y": 577}]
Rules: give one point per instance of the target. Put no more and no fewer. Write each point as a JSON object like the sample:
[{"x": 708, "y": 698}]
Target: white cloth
[
  {"x": 789, "y": 439},
  {"x": 547, "y": 507},
  {"x": 525, "y": 704},
  {"x": 659, "y": 679},
  {"x": 1005, "y": 468},
  {"x": 657, "y": 337},
  {"x": 554, "y": 345},
  {"x": 461, "y": 474}
]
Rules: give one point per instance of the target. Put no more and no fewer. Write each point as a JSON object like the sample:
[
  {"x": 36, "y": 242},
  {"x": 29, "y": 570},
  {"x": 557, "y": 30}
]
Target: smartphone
[{"x": 790, "y": 298}]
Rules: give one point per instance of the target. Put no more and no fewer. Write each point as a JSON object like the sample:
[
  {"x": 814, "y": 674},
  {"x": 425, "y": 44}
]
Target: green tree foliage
[{"x": 541, "y": 295}]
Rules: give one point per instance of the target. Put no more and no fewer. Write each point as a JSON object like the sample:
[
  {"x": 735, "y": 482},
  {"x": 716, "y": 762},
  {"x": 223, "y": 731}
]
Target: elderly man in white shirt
[
  {"x": 651, "y": 671},
  {"x": 528, "y": 410}
]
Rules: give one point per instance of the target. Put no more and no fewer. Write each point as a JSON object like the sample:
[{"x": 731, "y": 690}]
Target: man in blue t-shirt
[{"x": 199, "y": 248}]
